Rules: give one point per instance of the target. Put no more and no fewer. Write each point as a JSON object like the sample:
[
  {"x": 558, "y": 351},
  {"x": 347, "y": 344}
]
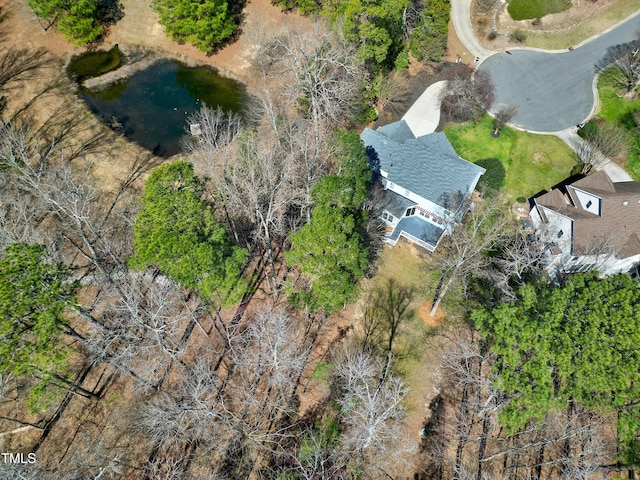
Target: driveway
[
  {"x": 461, "y": 19},
  {"x": 424, "y": 115},
  {"x": 553, "y": 91}
]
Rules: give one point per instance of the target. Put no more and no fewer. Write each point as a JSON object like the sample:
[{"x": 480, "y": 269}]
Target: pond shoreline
[{"x": 123, "y": 72}]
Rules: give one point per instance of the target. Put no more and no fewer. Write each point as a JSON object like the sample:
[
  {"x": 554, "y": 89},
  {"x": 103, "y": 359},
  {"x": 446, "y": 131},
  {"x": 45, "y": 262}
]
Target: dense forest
[{"x": 214, "y": 316}]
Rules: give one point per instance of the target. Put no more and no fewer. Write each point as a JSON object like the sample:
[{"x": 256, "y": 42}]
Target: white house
[
  {"x": 426, "y": 185},
  {"x": 590, "y": 224}
]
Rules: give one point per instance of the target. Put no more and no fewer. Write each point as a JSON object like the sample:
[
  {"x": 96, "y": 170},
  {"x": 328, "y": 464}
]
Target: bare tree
[
  {"x": 610, "y": 139},
  {"x": 145, "y": 330},
  {"x": 324, "y": 76},
  {"x": 504, "y": 115},
  {"x": 486, "y": 5},
  {"x": 310, "y": 80},
  {"x": 239, "y": 398},
  {"x": 321, "y": 458},
  {"x": 393, "y": 92},
  {"x": 256, "y": 182},
  {"x": 468, "y": 93},
  {"x": 372, "y": 408},
  {"x": 589, "y": 156},
  {"x": 516, "y": 259},
  {"x": 626, "y": 59},
  {"x": 463, "y": 253},
  {"x": 217, "y": 129}
]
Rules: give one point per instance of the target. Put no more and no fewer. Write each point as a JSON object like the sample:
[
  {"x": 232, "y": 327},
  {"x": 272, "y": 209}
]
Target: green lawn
[
  {"x": 618, "y": 110},
  {"x": 532, "y": 162},
  {"x": 526, "y": 9}
]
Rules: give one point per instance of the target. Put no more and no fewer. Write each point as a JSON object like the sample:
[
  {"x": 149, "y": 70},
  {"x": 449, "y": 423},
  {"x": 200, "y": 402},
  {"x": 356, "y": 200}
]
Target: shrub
[
  {"x": 402, "y": 60},
  {"x": 589, "y": 131},
  {"x": 492, "y": 35},
  {"x": 494, "y": 178},
  {"x": 518, "y": 35}
]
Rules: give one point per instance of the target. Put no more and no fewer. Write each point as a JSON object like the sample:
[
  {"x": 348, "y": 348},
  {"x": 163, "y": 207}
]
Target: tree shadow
[{"x": 110, "y": 12}]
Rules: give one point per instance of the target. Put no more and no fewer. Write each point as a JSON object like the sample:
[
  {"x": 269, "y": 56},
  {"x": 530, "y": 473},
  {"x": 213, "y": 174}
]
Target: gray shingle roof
[
  {"x": 396, "y": 204},
  {"x": 427, "y": 166},
  {"x": 425, "y": 231},
  {"x": 399, "y": 131}
]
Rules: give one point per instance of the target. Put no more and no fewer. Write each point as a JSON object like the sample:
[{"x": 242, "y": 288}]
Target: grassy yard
[
  {"x": 532, "y": 162},
  {"x": 526, "y": 9},
  {"x": 583, "y": 30},
  {"x": 617, "y": 110}
]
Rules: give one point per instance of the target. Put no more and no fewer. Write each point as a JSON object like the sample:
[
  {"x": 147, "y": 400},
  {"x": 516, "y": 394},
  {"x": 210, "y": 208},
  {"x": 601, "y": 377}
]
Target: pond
[{"x": 151, "y": 107}]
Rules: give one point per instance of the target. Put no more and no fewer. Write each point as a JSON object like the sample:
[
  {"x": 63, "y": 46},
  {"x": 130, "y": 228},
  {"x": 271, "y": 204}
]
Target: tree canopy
[
  {"x": 77, "y": 20},
  {"x": 204, "y": 23},
  {"x": 429, "y": 37},
  {"x": 176, "y": 230},
  {"x": 376, "y": 26},
  {"x": 577, "y": 342},
  {"x": 330, "y": 248},
  {"x": 34, "y": 294}
]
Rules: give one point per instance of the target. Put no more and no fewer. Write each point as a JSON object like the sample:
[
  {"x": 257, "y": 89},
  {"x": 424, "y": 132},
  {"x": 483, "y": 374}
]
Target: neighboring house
[
  {"x": 427, "y": 187},
  {"x": 590, "y": 224}
]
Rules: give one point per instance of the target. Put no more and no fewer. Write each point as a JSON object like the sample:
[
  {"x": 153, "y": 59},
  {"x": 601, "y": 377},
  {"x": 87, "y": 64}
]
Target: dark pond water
[{"x": 152, "y": 106}]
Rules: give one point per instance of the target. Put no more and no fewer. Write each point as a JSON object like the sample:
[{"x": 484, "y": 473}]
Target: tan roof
[
  {"x": 596, "y": 181},
  {"x": 553, "y": 199},
  {"x": 619, "y": 223}
]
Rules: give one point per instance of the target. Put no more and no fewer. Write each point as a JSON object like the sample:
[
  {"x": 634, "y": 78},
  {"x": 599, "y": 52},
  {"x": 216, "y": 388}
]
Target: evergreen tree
[
  {"x": 375, "y": 25},
  {"x": 34, "y": 295},
  {"x": 204, "y": 23},
  {"x": 176, "y": 231},
  {"x": 574, "y": 343},
  {"x": 330, "y": 248},
  {"x": 77, "y": 20}
]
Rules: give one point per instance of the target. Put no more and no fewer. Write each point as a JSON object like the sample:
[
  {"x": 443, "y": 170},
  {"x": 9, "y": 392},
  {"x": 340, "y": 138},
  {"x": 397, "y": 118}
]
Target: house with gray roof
[
  {"x": 590, "y": 224},
  {"x": 427, "y": 186}
]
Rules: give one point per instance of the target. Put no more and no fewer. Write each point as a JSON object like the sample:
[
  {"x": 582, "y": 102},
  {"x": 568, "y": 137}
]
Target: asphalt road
[{"x": 553, "y": 91}]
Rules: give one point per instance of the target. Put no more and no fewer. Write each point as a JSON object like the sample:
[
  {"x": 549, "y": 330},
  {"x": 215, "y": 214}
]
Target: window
[
  {"x": 560, "y": 233},
  {"x": 589, "y": 203},
  {"x": 411, "y": 211}
]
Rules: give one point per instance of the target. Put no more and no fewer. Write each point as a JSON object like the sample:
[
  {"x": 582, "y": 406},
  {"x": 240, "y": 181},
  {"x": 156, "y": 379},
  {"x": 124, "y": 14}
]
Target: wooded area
[{"x": 187, "y": 319}]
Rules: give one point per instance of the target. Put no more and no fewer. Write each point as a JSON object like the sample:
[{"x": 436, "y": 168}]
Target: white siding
[
  {"x": 558, "y": 230},
  {"x": 584, "y": 198}
]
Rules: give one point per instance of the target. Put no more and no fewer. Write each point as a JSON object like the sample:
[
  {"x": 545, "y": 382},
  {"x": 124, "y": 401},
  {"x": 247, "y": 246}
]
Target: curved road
[{"x": 553, "y": 91}]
